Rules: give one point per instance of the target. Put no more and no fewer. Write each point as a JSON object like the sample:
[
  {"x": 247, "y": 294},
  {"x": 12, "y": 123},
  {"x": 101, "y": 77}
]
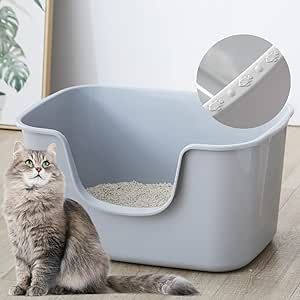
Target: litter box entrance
[
  {"x": 133, "y": 193},
  {"x": 243, "y": 81}
]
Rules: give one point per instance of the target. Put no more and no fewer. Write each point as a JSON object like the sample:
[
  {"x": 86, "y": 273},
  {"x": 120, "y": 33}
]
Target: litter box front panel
[{"x": 221, "y": 218}]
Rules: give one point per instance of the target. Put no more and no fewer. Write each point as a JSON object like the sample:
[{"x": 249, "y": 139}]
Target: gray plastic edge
[{"x": 133, "y": 211}]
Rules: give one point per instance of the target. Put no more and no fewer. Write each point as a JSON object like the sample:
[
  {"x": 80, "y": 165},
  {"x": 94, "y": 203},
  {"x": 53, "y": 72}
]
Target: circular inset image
[{"x": 243, "y": 81}]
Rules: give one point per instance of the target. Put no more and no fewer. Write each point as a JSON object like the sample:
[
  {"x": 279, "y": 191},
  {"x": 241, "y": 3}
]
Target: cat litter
[{"x": 133, "y": 193}]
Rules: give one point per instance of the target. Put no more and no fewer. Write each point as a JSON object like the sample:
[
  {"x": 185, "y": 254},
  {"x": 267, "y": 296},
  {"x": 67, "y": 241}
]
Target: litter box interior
[{"x": 124, "y": 135}]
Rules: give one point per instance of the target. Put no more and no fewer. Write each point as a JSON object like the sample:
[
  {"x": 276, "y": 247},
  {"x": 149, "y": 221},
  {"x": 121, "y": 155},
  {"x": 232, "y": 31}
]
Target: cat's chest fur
[{"x": 32, "y": 225}]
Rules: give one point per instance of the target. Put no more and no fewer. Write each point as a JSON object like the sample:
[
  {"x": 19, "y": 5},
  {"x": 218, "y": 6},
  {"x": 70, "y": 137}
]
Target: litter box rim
[{"x": 286, "y": 113}]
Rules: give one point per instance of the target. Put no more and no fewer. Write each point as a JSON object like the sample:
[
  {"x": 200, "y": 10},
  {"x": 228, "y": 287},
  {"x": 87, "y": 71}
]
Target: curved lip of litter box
[
  {"x": 137, "y": 211},
  {"x": 241, "y": 85}
]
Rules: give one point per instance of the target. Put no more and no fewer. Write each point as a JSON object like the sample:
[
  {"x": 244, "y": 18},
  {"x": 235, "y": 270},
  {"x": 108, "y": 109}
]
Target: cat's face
[{"x": 35, "y": 168}]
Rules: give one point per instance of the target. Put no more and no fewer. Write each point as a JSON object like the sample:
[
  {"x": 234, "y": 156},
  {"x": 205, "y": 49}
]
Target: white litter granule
[{"x": 134, "y": 194}]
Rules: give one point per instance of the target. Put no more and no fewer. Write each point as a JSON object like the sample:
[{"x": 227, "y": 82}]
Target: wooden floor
[{"x": 275, "y": 274}]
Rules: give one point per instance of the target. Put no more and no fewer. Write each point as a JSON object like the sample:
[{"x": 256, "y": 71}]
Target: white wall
[{"x": 159, "y": 43}]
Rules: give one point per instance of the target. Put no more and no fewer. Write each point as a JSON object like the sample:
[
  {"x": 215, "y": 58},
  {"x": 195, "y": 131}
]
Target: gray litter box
[{"x": 224, "y": 207}]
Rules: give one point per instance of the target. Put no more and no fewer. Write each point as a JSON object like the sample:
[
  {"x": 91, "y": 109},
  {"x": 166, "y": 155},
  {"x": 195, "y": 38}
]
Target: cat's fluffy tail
[{"x": 152, "y": 283}]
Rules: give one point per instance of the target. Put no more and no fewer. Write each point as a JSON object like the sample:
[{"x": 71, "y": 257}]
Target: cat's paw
[
  {"x": 36, "y": 291},
  {"x": 16, "y": 291},
  {"x": 57, "y": 290}
]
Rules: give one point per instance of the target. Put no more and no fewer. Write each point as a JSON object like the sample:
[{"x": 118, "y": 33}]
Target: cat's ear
[
  {"x": 51, "y": 149},
  {"x": 18, "y": 148}
]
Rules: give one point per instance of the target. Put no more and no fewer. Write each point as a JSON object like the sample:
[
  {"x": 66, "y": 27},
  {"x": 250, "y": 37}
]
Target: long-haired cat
[{"x": 56, "y": 246}]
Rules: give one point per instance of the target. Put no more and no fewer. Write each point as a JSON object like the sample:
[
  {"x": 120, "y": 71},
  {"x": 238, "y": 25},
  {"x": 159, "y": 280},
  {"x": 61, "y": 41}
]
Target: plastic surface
[
  {"x": 260, "y": 92},
  {"x": 226, "y": 60},
  {"x": 224, "y": 207},
  {"x": 243, "y": 81}
]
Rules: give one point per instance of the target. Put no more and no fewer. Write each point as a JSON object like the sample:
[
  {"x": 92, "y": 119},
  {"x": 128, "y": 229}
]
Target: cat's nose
[{"x": 39, "y": 169}]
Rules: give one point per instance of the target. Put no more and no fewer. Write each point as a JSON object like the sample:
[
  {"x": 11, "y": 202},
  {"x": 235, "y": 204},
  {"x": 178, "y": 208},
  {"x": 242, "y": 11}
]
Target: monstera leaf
[
  {"x": 8, "y": 29},
  {"x": 9, "y": 22},
  {"x": 13, "y": 70}
]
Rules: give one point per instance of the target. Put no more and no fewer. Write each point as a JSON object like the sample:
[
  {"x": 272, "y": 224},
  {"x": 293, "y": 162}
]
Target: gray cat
[{"x": 55, "y": 243}]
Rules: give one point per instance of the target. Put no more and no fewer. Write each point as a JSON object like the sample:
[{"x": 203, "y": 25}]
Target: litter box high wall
[{"x": 224, "y": 207}]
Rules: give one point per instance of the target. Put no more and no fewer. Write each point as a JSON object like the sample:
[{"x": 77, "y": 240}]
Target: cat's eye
[
  {"x": 45, "y": 164},
  {"x": 29, "y": 163}
]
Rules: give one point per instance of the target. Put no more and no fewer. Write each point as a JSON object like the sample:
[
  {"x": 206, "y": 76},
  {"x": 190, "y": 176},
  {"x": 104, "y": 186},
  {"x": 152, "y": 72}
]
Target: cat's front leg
[
  {"x": 43, "y": 275},
  {"x": 23, "y": 279}
]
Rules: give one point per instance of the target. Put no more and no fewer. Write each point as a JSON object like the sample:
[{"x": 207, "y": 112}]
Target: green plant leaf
[
  {"x": 15, "y": 50},
  {"x": 8, "y": 22},
  {"x": 2, "y": 94},
  {"x": 13, "y": 70},
  {"x": 5, "y": 44},
  {"x": 38, "y": 2},
  {"x": 8, "y": 29}
]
